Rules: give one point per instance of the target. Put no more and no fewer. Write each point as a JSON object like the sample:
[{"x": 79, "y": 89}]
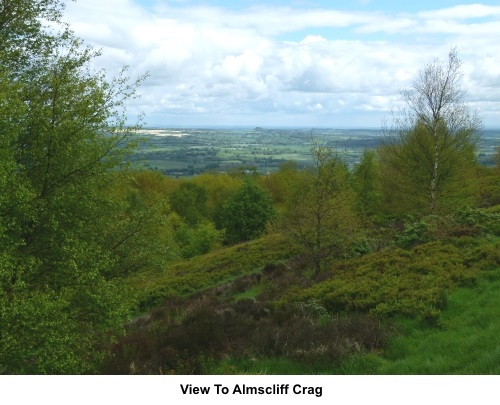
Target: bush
[
  {"x": 463, "y": 222},
  {"x": 387, "y": 283},
  {"x": 475, "y": 221},
  {"x": 213, "y": 269},
  {"x": 199, "y": 239},
  {"x": 484, "y": 257},
  {"x": 417, "y": 232}
]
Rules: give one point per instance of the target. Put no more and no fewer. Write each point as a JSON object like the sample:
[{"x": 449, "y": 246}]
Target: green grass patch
[
  {"x": 466, "y": 341},
  {"x": 252, "y": 292}
]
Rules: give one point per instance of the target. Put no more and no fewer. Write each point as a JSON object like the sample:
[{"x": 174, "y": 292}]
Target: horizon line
[{"x": 222, "y": 126}]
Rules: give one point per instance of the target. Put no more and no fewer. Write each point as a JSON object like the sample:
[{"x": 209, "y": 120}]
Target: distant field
[{"x": 186, "y": 152}]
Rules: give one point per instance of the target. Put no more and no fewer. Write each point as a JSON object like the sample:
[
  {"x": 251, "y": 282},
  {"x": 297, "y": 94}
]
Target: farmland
[{"x": 187, "y": 152}]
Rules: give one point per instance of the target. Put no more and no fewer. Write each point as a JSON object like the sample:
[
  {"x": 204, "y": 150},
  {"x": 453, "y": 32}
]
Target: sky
[{"x": 299, "y": 63}]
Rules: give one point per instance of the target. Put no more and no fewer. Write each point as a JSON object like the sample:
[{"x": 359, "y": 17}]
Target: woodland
[{"x": 388, "y": 266}]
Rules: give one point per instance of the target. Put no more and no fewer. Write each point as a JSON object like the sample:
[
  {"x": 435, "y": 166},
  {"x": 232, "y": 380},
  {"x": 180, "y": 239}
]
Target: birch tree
[{"x": 430, "y": 148}]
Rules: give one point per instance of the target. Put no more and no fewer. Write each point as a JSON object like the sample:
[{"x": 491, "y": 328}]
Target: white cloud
[
  {"x": 208, "y": 63},
  {"x": 462, "y": 12}
]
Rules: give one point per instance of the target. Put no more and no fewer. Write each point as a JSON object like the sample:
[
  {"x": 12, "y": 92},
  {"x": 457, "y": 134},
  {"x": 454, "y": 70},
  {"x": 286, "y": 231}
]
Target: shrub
[
  {"x": 484, "y": 257},
  {"x": 417, "y": 232},
  {"x": 474, "y": 221},
  {"x": 386, "y": 283}
]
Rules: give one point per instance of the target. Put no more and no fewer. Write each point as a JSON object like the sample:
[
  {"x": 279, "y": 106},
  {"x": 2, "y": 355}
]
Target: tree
[
  {"x": 367, "y": 183},
  {"x": 62, "y": 138},
  {"x": 321, "y": 216},
  {"x": 190, "y": 202},
  {"x": 22, "y": 34},
  {"x": 281, "y": 183},
  {"x": 430, "y": 148},
  {"x": 246, "y": 213},
  {"x": 141, "y": 231},
  {"x": 219, "y": 187}
]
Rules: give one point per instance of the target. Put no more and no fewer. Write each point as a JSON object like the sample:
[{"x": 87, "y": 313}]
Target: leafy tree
[
  {"x": 368, "y": 183},
  {"x": 488, "y": 183},
  {"x": 247, "y": 212},
  {"x": 22, "y": 34},
  {"x": 190, "y": 202},
  {"x": 321, "y": 217},
  {"x": 281, "y": 184},
  {"x": 430, "y": 149},
  {"x": 141, "y": 233},
  {"x": 61, "y": 132},
  {"x": 219, "y": 187}
]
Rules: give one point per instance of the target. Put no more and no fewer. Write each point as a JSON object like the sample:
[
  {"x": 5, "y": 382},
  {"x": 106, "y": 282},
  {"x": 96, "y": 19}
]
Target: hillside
[
  {"x": 413, "y": 311},
  {"x": 273, "y": 251}
]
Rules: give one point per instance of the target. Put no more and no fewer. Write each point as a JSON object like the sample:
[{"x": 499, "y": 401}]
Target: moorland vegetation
[{"x": 391, "y": 266}]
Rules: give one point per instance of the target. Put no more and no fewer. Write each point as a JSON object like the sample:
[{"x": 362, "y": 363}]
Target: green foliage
[
  {"x": 465, "y": 221},
  {"x": 140, "y": 235},
  {"x": 477, "y": 221},
  {"x": 61, "y": 132},
  {"x": 22, "y": 35},
  {"x": 412, "y": 283},
  {"x": 15, "y": 193},
  {"x": 190, "y": 202},
  {"x": 246, "y": 213},
  {"x": 488, "y": 180},
  {"x": 484, "y": 257},
  {"x": 320, "y": 216},
  {"x": 417, "y": 232},
  {"x": 215, "y": 268},
  {"x": 198, "y": 240},
  {"x": 219, "y": 187},
  {"x": 407, "y": 166},
  {"x": 60, "y": 332},
  {"x": 368, "y": 183},
  {"x": 282, "y": 184},
  {"x": 429, "y": 153},
  {"x": 205, "y": 333}
]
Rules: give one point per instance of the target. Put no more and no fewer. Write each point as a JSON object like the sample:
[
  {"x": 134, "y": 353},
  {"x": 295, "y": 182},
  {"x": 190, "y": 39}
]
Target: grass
[
  {"x": 250, "y": 293},
  {"x": 465, "y": 343}
]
